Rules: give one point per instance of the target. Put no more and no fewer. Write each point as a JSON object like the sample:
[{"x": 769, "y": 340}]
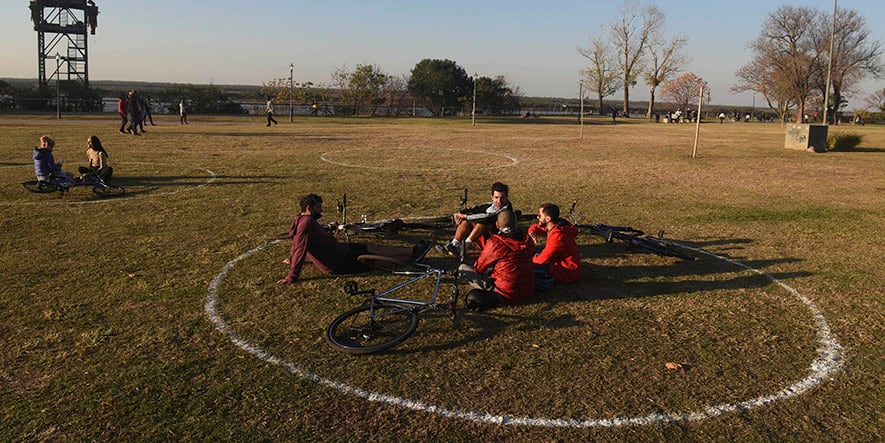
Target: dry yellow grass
[{"x": 106, "y": 336}]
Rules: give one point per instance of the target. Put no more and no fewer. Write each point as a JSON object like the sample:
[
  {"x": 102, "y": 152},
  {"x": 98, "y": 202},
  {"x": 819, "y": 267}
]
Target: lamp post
[
  {"x": 473, "y": 113},
  {"x": 830, "y": 66},
  {"x": 753, "y": 109},
  {"x": 291, "y": 92},
  {"x": 581, "y": 119},
  {"x": 57, "y": 86}
]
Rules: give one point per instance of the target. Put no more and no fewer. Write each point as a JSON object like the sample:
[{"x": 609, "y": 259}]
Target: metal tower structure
[{"x": 66, "y": 22}]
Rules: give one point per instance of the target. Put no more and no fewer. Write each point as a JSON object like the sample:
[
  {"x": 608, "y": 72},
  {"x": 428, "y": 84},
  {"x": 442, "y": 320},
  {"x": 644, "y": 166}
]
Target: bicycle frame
[{"x": 428, "y": 273}]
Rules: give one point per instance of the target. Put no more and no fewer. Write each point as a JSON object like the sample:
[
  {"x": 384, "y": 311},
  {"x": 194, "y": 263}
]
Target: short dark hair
[
  {"x": 500, "y": 187},
  {"x": 550, "y": 210},
  {"x": 309, "y": 200}
]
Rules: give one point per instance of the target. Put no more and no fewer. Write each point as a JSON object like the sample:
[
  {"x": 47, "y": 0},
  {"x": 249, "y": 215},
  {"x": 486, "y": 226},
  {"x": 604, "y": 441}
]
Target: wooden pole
[
  {"x": 581, "y": 94},
  {"x": 697, "y": 129}
]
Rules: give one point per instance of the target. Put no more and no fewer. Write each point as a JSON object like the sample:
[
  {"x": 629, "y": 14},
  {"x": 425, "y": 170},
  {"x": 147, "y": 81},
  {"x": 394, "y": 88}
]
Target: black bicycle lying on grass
[
  {"x": 387, "y": 226},
  {"x": 634, "y": 239},
  {"x": 99, "y": 186}
]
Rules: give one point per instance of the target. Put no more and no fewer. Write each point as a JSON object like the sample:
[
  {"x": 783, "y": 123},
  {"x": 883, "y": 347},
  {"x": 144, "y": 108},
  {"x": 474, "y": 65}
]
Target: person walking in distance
[
  {"x": 269, "y": 110},
  {"x": 123, "y": 110},
  {"x": 182, "y": 112}
]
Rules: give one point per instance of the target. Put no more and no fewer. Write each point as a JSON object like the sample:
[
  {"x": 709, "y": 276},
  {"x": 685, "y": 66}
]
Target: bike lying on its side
[
  {"x": 633, "y": 238},
  {"x": 386, "y": 226},
  {"x": 99, "y": 186},
  {"x": 386, "y": 321}
]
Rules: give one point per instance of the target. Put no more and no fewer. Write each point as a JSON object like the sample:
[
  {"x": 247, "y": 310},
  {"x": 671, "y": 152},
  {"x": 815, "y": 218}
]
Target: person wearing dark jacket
[
  {"x": 503, "y": 273},
  {"x": 45, "y": 166},
  {"x": 311, "y": 240},
  {"x": 560, "y": 256}
]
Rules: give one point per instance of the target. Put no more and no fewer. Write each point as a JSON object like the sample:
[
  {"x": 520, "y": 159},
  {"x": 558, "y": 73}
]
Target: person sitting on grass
[
  {"x": 471, "y": 223},
  {"x": 560, "y": 258},
  {"x": 311, "y": 240},
  {"x": 98, "y": 160},
  {"x": 45, "y": 167},
  {"x": 503, "y": 272}
]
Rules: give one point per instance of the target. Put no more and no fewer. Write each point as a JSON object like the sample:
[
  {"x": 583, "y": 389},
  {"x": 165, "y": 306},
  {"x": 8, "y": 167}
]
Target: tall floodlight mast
[{"x": 66, "y": 23}]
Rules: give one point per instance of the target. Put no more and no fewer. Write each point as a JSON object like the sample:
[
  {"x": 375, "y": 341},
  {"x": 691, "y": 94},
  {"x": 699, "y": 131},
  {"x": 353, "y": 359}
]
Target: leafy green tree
[
  {"x": 440, "y": 84},
  {"x": 494, "y": 95},
  {"x": 365, "y": 86}
]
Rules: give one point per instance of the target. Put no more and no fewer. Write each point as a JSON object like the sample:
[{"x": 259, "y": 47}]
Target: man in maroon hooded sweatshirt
[{"x": 311, "y": 240}]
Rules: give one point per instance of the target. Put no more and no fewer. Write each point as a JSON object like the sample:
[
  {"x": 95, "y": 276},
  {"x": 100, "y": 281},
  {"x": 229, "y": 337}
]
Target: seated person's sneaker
[{"x": 448, "y": 249}]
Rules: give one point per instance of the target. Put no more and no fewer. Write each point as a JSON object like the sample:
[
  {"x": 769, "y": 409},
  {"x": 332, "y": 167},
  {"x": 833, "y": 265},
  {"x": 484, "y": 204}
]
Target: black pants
[
  {"x": 123, "y": 125},
  {"x": 270, "y": 118}
]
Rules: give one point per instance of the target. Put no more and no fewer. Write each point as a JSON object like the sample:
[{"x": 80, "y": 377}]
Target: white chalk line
[
  {"x": 513, "y": 160},
  {"x": 124, "y": 197},
  {"x": 828, "y": 362}
]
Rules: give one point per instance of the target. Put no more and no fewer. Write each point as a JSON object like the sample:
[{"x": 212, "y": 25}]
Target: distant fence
[{"x": 48, "y": 105}]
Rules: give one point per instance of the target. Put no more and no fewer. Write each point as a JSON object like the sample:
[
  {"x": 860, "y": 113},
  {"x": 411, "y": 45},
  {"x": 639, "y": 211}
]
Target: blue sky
[{"x": 533, "y": 43}]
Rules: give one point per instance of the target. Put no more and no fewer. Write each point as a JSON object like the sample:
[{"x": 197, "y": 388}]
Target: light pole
[
  {"x": 473, "y": 113},
  {"x": 753, "y": 109},
  {"x": 291, "y": 94},
  {"x": 57, "y": 86},
  {"x": 830, "y": 66},
  {"x": 581, "y": 93}
]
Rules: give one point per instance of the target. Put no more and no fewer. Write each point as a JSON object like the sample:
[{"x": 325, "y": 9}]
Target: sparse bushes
[{"x": 843, "y": 141}]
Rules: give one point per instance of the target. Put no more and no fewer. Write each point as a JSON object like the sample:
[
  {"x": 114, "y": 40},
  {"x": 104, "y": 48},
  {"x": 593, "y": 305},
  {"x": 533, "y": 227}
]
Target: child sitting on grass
[{"x": 45, "y": 167}]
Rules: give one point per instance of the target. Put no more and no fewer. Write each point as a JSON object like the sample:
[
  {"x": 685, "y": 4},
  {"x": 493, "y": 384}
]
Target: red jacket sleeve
[{"x": 554, "y": 249}]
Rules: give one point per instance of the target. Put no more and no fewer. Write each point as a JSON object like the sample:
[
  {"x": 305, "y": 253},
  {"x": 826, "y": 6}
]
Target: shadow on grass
[
  {"x": 859, "y": 150},
  {"x": 5, "y": 164}
]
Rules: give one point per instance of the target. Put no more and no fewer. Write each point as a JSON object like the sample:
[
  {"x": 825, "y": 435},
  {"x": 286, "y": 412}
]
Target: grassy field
[{"x": 106, "y": 335}]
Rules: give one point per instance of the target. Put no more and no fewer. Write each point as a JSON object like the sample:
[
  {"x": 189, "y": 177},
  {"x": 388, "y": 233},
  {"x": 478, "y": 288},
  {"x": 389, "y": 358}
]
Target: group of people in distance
[
  {"x": 134, "y": 111},
  {"x": 505, "y": 272},
  {"x": 47, "y": 169}
]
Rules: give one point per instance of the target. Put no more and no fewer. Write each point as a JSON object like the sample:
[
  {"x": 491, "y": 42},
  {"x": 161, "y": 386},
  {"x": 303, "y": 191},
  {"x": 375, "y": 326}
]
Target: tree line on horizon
[{"x": 789, "y": 69}]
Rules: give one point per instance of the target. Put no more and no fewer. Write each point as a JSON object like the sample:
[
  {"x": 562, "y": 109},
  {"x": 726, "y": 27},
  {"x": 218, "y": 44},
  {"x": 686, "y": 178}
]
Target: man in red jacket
[
  {"x": 507, "y": 259},
  {"x": 311, "y": 240},
  {"x": 560, "y": 256}
]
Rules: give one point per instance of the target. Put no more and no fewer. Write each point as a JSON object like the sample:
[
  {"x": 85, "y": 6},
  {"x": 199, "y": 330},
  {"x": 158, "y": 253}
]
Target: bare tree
[
  {"x": 856, "y": 55},
  {"x": 877, "y": 100},
  {"x": 665, "y": 58},
  {"x": 786, "y": 44},
  {"x": 602, "y": 75},
  {"x": 763, "y": 79},
  {"x": 684, "y": 90},
  {"x": 630, "y": 35},
  {"x": 397, "y": 92}
]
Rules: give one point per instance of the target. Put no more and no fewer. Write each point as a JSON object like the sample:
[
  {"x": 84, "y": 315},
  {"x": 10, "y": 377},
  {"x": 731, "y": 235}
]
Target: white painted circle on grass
[
  {"x": 402, "y": 164},
  {"x": 827, "y": 364}
]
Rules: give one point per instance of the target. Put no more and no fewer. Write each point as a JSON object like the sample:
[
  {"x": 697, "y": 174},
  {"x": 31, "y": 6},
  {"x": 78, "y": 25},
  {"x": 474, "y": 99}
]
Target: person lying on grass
[{"x": 311, "y": 240}]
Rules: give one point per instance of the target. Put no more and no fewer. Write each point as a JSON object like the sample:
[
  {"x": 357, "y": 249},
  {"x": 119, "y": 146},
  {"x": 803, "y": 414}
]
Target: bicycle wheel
[
  {"x": 40, "y": 187},
  {"x": 108, "y": 190},
  {"x": 371, "y": 328}
]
